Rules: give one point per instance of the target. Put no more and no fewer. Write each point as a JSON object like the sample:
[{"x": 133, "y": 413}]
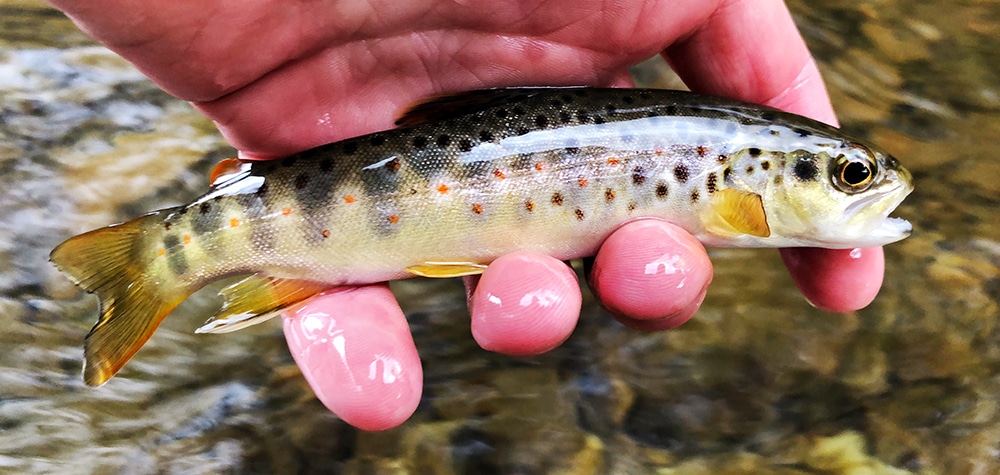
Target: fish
[{"x": 467, "y": 177}]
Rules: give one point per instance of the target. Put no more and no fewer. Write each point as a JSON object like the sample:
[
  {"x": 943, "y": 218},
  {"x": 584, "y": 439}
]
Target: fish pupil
[{"x": 856, "y": 173}]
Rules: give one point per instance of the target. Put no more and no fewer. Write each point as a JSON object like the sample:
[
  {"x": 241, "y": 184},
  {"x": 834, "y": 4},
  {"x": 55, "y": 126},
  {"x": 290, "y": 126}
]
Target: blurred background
[{"x": 757, "y": 382}]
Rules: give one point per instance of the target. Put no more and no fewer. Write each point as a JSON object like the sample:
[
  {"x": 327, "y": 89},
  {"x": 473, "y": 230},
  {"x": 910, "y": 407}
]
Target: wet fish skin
[{"x": 470, "y": 177}]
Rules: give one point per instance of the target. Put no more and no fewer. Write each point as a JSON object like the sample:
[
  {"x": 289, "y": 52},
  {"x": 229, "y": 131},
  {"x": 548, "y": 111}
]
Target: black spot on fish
[
  {"x": 541, "y": 121},
  {"x": 555, "y": 103},
  {"x": 443, "y": 140},
  {"x": 765, "y": 165},
  {"x": 628, "y": 99},
  {"x": 662, "y": 191},
  {"x": 419, "y": 141},
  {"x": 377, "y": 140},
  {"x": 631, "y": 206},
  {"x": 464, "y": 145},
  {"x": 572, "y": 150},
  {"x": 167, "y": 225},
  {"x": 802, "y": 132},
  {"x": 564, "y": 117},
  {"x": 754, "y": 151},
  {"x": 301, "y": 181},
  {"x": 769, "y": 116},
  {"x": 209, "y": 219},
  {"x": 711, "y": 184},
  {"x": 638, "y": 176},
  {"x": 183, "y": 211},
  {"x": 610, "y": 108},
  {"x": 502, "y": 113},
  {"x": 217, "y": 198},
  {"x": 778, "y": 179},
  {"x": 523, "y": 130},
  {"x": 518, "y": 111},
  {"x": 681, "y": 173},
  {"x": 557, "y": 199},
  {"x": 805, "y": 169},
  {"x": 289, "y": 161},
  {"x": 598, "y": 119},
  {"x": 726, "y": 173},
  {"x": 486, "y": 136},
  {"x": 671, "y": 110},
  {"x": 749, "y": 170},
  {"x": 351, "y": 147},
  {"x": 204, "y": 208},
  {"x": 582, "y": 117},
  {"x": 579, "y": 214},
  {"x": 694, "y": 196},
  {"x": 722, "y": 159},
  {"x": 325, "y": 165},
  {"x": 609, "y": 195}
]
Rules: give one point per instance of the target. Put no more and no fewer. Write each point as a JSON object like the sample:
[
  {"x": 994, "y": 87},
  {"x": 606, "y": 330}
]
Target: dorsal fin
[{"x": 448, "y": 106}]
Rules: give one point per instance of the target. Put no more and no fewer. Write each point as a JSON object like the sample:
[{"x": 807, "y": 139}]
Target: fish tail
[{"x": 112, "y": 262}]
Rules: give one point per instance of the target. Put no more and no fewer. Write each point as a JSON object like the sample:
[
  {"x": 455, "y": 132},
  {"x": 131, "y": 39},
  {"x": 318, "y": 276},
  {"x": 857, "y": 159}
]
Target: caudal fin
[{"x": 112, "y": 263}]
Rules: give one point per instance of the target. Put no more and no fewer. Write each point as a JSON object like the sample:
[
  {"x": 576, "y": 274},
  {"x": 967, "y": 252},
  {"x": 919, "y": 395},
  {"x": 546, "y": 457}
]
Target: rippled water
[{"x": 759, "y": 381}]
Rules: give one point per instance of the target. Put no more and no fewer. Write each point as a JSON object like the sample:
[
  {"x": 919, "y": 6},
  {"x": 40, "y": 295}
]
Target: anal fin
[
  {"x": 442, "y": 270},
  {"x": 256, "y": 299},
  {"x": 738, "y": 212}
]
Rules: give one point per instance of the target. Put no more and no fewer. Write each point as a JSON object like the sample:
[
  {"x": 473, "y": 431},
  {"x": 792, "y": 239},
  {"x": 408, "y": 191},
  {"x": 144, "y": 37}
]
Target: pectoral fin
[
  {"x": 738, "y": 212},
  {"x": 443, "y": 270},
  {"x": 257, "y": 299}
]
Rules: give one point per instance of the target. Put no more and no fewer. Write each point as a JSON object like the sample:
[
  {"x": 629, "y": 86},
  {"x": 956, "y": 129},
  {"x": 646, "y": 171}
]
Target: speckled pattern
[{"x": 758, "y": 382}]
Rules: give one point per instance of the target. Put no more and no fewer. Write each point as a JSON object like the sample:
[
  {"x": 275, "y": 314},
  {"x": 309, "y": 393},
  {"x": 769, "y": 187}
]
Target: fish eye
[{"x": 854, "y": 175}]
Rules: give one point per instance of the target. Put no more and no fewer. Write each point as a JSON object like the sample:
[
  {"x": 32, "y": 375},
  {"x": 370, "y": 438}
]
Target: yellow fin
[
  {"x": 741, "y": 211},
  {"x": 441, "y": 270},
  {"x": 256, "y": 299},
  {"x": 109, "y": 263}
]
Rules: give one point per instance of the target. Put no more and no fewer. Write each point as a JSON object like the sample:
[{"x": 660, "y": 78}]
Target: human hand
[{"x": 279, "y": 78}]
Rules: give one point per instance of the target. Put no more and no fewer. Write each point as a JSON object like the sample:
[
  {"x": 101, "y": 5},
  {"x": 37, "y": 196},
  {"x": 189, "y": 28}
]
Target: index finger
[{"x": 754, "y": 52}]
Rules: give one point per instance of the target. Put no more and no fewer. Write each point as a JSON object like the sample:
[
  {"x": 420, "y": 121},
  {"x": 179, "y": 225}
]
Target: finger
[
  {"x": 651, "y": 274},
  {"x": 524, "y": 304},
  {"x": 836, "y": 280},
  {"x": 754, "y": 52},
  {"x": 355, "y": 350}
]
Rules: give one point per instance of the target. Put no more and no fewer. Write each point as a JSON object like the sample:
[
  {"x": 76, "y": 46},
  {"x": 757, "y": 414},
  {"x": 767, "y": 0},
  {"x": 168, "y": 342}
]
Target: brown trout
[{"x": 469, "y": 177}]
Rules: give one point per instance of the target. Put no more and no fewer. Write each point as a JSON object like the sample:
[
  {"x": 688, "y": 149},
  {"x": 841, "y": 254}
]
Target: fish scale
[{"x": 469, "y": 177}]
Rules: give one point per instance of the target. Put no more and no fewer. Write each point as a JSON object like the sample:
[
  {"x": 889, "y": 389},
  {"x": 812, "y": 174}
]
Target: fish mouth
[{"x": 889, "y": 229}]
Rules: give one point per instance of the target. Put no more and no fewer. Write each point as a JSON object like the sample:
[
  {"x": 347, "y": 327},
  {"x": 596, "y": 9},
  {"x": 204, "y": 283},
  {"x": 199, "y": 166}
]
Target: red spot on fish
[
  {"x": 613, "y": 161},
  {"x": 539, "y": 166},
  {"x": 286, "y": 211},
  {"x": 477, "y": 208},
  {"x": 499, "y": 174},
  {"x": 582, "y": 181},
  {"x": 442, "y": 188},
  {"x": 234, "y": 222},
  {"x": 349, "y": 199},
  {"x": 702, "y": 150},
  {"x": 529, "y": 205},
  {"x": 187, "y": 239},
  {"x": 393, "y": 218},
  {"x": 326, "y": 233}
]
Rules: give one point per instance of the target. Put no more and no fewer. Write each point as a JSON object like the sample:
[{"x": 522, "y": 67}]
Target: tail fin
[{"x": 112, "y": 263}]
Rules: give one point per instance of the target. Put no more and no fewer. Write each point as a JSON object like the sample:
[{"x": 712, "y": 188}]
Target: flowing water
[{"x": 758, "y": 382}]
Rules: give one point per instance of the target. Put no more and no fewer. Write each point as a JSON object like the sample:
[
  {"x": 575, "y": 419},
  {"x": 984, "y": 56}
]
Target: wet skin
[{"x": 324, "y": 71}]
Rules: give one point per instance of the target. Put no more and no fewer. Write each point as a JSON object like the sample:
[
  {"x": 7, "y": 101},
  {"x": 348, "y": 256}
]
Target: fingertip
[
  {"x": 355, "y": 350},
  {"x": 836, "y": 280},
  {"x": 525, "y": 304},
  {"x": 650, "y": 270}
]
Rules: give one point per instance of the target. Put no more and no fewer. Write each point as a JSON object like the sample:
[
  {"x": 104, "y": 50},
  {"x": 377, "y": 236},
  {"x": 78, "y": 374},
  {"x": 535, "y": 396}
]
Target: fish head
[{"x": 841, "y": 198}]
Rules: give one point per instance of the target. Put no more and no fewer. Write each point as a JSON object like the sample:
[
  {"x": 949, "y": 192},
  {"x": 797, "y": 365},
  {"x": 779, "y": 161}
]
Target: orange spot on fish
[
  {"x": 286, "y": 211},
  {"x": 161, "y": 252},
  {"x": 613, "y": 161},
  {"x": 658, "y": 152},
  {"x": 234, "y": 222},
  {"x": 499, "y": 174},
  {"x": 225, "y": 169},
  {"x": 442, "y": 188},
  {"x": 702, "y": 150},
  {"x": 477, "y": 208},
  {"x": 326, "y": 233},
  {"x": 582, "y": 181},
  {"x": 393, "y": 218},
  {"x": 187, "y": 239},
  {"x": 349, "y": 199},
  {"x": 539, "y": 166}
]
